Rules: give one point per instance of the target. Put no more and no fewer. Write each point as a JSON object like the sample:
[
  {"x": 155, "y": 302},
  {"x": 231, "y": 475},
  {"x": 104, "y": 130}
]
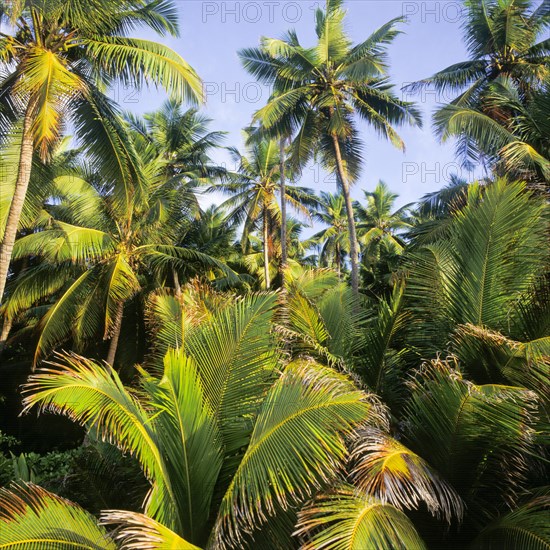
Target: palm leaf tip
[
  {"x": 33, "y": 518},
  {"x": 139, "y": 532},
  {"x": 392, "y": 473}
]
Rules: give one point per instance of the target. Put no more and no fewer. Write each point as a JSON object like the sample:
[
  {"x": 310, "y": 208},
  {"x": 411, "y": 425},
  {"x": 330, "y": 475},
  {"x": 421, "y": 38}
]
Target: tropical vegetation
[{"x": 180, "y": 373}]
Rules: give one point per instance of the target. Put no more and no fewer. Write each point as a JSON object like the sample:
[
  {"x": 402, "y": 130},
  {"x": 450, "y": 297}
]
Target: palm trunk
[
  {"x": 177, "y": 285},
  {"x": 16, "y": 206},
  {"x": 338, "y": 260},
  {"x": 116, "y": 334},
  {"x": 353, "y": 248},
  {"x": 266, "y": 250},
  {"x": 6, "y": 328},
  {"x": 283, "y": 212}
]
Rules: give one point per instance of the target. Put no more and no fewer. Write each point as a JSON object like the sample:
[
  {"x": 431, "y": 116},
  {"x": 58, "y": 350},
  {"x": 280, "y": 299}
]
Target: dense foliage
[{"x": 216, "y": 380}]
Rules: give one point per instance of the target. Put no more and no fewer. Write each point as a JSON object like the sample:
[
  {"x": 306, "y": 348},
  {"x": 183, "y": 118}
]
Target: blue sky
[{"x": 213, "y": 31}]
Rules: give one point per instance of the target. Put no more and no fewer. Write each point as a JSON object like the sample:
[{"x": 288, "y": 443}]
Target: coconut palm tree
[
  {"x": 379, "y": 227},
  {"x": 255, "y": 188},
  {"x": 57, "y": 64},
  {"x": 376, "y": 221},
  {"x": 317, "y": 92},
  {"x": 94, "y": 256},
  {"x": 518, "y": 144},
  {"x": 225, "y": 438},
  {"x": 506, "y": 41},
  {"x": 334, "y": 239},
  {"x": 184, "y": 140}
]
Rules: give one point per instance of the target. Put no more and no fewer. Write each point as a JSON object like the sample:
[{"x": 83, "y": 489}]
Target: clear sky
[{"x": 213, "y": 31}]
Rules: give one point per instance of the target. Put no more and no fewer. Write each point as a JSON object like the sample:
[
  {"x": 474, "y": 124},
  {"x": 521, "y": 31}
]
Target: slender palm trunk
[
  {"x": 284, "y": 253},
  {"x": 338, "y": 260},
  {"x": 353, "y": 247},
  {"x": 177, "y": 285},
  {"x": 266, "y": 250},
  {"x": 16, "y": 206},
  {"x": 113, "y": 345},
  {"x": 6, "y": 328}
]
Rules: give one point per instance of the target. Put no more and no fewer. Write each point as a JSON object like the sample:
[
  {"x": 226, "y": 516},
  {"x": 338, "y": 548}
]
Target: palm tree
[
  {"x": 334, "y": 239},
  {"x": 479, "y": 290},
  {"x": 378, "y": 227},
  {"x": 506, "y": 43},
  {"x": 518, "y": 144},
  {"x": 225, "y": 438},
  {"x": 255, "y": 189},
  {"x": 502, "y": 41},
  {"x": 376, "y": 221},
  {"x": 317, "y": 91},
  {"x": 184, "y": 140},
  {"x": 95, "y": 255},
  {"x": 57, "y": 63}
]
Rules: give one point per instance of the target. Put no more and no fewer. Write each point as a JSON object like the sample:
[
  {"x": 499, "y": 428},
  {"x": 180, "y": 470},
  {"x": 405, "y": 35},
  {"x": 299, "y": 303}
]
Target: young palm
[
  {"x": 480, "y": 291},
  {"x": 317, "y": 92},
  {"x": 255, "y": 188},
  {"x": 56, "y": 65},
  {"x": 227, "y": 435},
  {"x": 463, "y": 455}
]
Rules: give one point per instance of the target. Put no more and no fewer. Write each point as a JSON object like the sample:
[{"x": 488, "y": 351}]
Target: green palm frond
[
  {"x": 489, "y": 356},
  {"x": 486, "y": 267},
  {"x": 35, "y": 284},
  {"x": 50, "y": 86},
  {"x": 188, "y": 435},
  {"x": 344, "y": 319},
  {"x": 65, "y": 242},
  {"x": 347, "y": 519},
  {"x": 525, "y": 527},
  {"x": 93, "y": 395},
  {"x": 474, "y": 435},
  {"x": 237, "y": 359},
  {"x": 160, "y": 256},
  {"x": 54, "y": 328},
  {"x": 380, "y": 365},
  {"x": 32, "y": 518},
  {"x": 297, "y": 443},
  {"x": 168, "y": 321},
  {"x": 126, "y": 58},
  {"x": 108, "y": 146}
]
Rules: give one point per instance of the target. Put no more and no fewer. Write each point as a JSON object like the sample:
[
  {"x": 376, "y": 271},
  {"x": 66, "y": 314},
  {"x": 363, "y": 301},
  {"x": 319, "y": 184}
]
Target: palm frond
[
  {"x": 526, "y": 528},
  {"x": 33, "y": 518},
  {"x": 93, "y": 395},
  {"x": 297, "y": 444},
  {"x": 140, "y": 532},
  {"x": 385, "y": 468},
  {"x": 128, "y": 58},
  {"x": 348, "y": 519}
]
